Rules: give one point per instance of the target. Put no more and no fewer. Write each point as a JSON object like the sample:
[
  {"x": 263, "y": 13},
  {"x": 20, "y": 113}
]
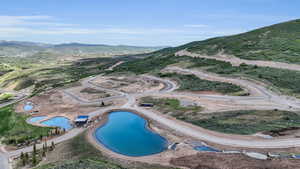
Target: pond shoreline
[{"x": 159, "y": 158}]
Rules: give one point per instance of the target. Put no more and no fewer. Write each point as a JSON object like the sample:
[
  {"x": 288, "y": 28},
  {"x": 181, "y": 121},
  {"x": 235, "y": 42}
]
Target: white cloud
[
  {"x": 38, "y": 27},
  {"x": 196, "y": 26},
  {"x": 20, "y": 20}
]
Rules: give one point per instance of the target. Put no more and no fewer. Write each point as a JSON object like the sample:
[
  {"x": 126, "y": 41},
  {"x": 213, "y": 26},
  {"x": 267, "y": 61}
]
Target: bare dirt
[
  {"x": 90, "y": 94},
  {"x": 235, "y": 61},
  {"x": 232, "y": 161},
  {"x": 55, "y": 103},
  {"x": 132, "y": 84}
]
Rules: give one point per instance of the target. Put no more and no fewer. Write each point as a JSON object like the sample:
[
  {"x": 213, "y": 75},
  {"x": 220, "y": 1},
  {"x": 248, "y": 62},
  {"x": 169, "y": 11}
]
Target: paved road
[
  {"x": 237, "y": 61},
  {"x": 4, "y": 161},
  {"x": 72, "y": 133}
]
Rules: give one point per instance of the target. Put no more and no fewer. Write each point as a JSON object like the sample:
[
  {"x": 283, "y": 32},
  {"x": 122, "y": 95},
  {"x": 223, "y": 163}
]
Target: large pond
[
  {"x": 61, "y": 122},
  {"x": 36, "y": 119},
  {"x": 127, "y": 133}
]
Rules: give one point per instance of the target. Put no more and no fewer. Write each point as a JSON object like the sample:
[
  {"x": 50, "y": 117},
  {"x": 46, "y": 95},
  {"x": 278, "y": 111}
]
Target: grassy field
[
  {"x": 25, "y": 64},
  {"x": 14, "y": 129},
  {"x": 146, "y": 65},
  {"x": 190, "y": 82},
  {"x": 173, "y": 106},
  {"x": 44, "y": 77},
  {"x": 246, "y": 121},
  {"x": 4, "y": 97},
  {"x": 77, "y": 153}
]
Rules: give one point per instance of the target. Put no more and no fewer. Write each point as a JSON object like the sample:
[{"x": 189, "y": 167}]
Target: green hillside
[{"x": 280, "y": 42}]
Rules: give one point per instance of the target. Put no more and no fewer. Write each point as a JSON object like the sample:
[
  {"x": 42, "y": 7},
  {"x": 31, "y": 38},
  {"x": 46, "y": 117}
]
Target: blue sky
[{"x": 137, "y": 22}]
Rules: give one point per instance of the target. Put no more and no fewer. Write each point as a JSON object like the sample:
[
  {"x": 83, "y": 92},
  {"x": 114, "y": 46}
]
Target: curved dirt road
[
  {"x": 257, "y": 92},
  {"x": 237, "y": 61}
]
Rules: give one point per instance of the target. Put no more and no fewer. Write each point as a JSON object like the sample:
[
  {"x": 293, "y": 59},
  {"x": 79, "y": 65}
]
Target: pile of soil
[
  {"x": 283, "y": 132},
  {"x": 232, "y": 161}
]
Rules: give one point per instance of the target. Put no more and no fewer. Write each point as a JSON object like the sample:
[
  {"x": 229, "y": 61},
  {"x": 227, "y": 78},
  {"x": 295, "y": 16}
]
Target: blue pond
[
  {"x": 36, "y": 119},
  {"x": 61, "y": 122},
  {"x": 205, "y": 148},
  {"x": 297, "y": 156},
  {"x": 28, "y": 107},
  {"x": 127, "y": 133}
]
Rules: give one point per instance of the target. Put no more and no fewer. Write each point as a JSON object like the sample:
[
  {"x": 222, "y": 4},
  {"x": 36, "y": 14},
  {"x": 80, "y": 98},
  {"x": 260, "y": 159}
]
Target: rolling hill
[
  {"x": 30, "y": 49},
  {"x": 279, "y": 42}
]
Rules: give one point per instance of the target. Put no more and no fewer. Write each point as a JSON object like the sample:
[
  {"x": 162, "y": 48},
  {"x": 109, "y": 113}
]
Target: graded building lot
[
  {"x": 90, "y": 94},
  {"x": 231, "y": 161},
  {"x": 133, "y": 84},
  {"x": 55, "y": 102}
]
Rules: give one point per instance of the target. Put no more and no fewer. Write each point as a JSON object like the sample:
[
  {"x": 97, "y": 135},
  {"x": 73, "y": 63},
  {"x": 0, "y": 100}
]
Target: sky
[{"x": 137, "y": 22}]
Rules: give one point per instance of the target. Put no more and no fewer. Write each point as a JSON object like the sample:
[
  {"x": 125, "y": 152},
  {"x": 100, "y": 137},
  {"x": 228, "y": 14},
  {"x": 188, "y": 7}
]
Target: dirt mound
[{"x": 232, "y": 161}]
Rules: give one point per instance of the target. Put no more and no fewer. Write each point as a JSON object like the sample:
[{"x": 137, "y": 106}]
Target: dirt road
[{"x": 237, "y": 61}]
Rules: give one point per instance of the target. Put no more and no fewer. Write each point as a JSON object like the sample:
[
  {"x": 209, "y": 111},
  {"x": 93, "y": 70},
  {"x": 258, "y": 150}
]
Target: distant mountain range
[{"x": 25, "y": 49}]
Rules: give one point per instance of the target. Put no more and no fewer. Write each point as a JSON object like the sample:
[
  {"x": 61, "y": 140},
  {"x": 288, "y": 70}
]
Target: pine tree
[
  {"x": 46, "y": 146},
  {"x": 34, "y": 148},
  {"x": 52, "y": 145},
  {"x": 34, "y": 161},
  {"x": 44, "y": 153},
  {"x": 26, "y": 157},
  {"x": 23, "y": 158}
]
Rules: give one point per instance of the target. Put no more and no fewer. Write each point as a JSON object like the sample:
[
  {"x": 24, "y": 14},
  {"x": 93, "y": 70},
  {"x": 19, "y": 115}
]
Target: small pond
[
  {"x": 297, "y": 156},
  {"x": 206, "y": 148},
  {"x": 61, "y": 122},
  {"x": 28, "y": 107},
  {"x": 127, "y": 133}
]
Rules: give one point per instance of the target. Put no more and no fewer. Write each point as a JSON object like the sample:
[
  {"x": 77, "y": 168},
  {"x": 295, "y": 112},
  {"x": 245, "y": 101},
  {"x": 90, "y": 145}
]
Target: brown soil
[
  {"x": 132, "y": 84},
  {"x": 292, "y": 131},
  {"x": 54, "y": 102},
  {"x": 90, "y": 93},
  {"x": 232, "y": 161}
]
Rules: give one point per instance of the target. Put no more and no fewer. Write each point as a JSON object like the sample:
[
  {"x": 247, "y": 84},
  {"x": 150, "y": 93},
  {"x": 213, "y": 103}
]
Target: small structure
[
  {"x": 146, "y": 105},
  {"x": 81, "y": 120},
  {"x": 256, "y": 155}
]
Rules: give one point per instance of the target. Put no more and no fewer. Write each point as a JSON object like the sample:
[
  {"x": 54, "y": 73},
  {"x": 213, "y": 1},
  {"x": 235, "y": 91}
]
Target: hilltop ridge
[{"x": 279, "y": 42}]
